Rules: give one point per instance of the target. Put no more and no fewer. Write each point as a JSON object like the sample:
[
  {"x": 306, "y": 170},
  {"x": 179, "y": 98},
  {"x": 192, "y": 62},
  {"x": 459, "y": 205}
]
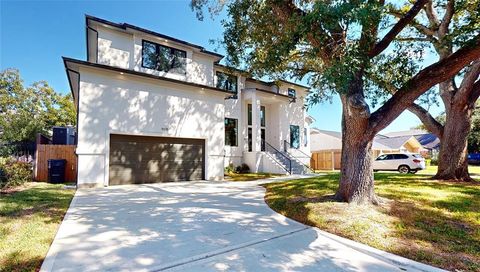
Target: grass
[
  {"x": 428, "y": 221},
  {"x": 432, "y": 170},
  {"x": 249, "y": 176},
  {"x": 29, "y": 219}
]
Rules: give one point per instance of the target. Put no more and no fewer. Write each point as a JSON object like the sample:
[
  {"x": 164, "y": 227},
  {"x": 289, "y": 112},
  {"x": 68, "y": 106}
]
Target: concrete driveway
[{"x": 199, "y": 226}]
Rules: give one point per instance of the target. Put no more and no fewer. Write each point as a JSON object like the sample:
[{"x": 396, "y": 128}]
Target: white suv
[{"x": 401, "y": 162}]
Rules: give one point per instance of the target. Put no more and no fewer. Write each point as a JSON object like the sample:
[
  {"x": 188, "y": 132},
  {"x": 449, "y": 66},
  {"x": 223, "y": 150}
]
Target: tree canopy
[
  {"x": 26, "y": 111},
  {"x": 337, "y": 46}
]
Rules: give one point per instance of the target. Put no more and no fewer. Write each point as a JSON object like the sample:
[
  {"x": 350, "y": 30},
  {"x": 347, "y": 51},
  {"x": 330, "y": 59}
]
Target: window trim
[
  {"x": 236, "y": 131},
  {"x": 157, "y": 50}
]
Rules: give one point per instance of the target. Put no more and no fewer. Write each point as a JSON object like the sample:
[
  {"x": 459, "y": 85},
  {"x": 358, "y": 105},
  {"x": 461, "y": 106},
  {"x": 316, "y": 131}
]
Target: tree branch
[
  {"x": 421, "y": 82},
  {"x": 397, "y": 28},
  {"x": 466, "y": 87},
  {"x": 447, "y": 18},
  {"x": 475, "y": 91},
  {"x": 432, "y": 15},
  {"x": 427, "y": 119}
]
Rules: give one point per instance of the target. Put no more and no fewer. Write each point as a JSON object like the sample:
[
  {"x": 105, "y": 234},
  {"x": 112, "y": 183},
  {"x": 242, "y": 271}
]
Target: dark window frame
[
  {"x": 235, "y": 131},
  {"x": 263, "y": 117},
  {"x": 290, "y": 91},
  {"x": 173, "y": 55},
  {"x": 230, "y": 80},
  {"x": 295, "y": 145}
]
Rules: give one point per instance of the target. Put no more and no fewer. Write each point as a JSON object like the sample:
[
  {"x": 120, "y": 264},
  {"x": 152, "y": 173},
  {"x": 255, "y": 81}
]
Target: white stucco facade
[{"x": 116, "y": 94}]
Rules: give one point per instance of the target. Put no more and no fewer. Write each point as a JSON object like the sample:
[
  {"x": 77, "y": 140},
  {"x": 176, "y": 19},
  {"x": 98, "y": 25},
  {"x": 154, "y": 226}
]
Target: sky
[{"x": 34, "y": 35}]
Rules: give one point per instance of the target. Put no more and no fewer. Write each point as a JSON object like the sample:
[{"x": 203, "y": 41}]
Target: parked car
[
  {"x": 474, "y": 158},
  {"x": 401, "y": 162}
]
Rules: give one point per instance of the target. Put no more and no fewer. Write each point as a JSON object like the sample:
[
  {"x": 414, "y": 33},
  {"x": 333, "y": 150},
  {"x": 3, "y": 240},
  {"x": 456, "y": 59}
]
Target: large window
[
  {"x": 294, "y": 136},
  {"x": 226, "y": 82},
  {"x": 231, "y": 132},
  {"x": 163, "y": 58}
]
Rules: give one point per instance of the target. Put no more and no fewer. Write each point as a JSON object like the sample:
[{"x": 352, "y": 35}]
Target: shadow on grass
[
  {"x": 18, "y": 261},
  {"x": 51, "y": 201},
  {"x": 27, "y": 216},
  {"x": 428, "y": 221}
]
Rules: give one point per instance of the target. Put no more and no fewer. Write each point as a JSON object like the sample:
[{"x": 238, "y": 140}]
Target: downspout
[{"x": 78, "y": 103}]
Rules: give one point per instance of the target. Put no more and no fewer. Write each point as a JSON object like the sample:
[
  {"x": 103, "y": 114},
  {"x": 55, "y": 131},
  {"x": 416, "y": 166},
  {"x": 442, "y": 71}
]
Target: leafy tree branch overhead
[
  {"x": 445, "y": 26},
  {"x": 335, "y": 46}
]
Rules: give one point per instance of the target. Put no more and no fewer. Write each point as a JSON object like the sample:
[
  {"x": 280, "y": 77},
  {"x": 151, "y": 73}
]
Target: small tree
[
  {"x": 335, "y": 44},
  {"x": 24, "y": 112}
]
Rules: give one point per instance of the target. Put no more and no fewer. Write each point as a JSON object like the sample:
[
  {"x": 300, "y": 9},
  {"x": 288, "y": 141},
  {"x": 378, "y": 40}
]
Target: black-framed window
[
  {"x": 249, "y": 114},
  {"x": 305, "y": 136},
  {"x": 294, "y": 136},
  {"x": 226, "y": 82},
  {"x": 262, "y": 116},
  {"x": 292, "y": 92},
  {"x": 231, "y": 130},
  {"x": 250, "y": 143},
  {"x": 163, "y": 58}
]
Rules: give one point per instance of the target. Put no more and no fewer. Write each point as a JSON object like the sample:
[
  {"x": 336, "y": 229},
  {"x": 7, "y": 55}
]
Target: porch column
[{"x": 256, "y": 139}]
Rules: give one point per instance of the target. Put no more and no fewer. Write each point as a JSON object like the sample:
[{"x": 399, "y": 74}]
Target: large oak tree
[
  {"x": 334, "y": 44},
  {"x": 445, "y": 25}
]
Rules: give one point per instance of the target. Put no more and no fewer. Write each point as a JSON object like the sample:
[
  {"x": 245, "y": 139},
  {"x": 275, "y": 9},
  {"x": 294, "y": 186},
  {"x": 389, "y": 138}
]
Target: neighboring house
[
  {"x": 326, "y": 147},
  {"x": 154, "y": 108},
  {"x": 429, "y": 141}
]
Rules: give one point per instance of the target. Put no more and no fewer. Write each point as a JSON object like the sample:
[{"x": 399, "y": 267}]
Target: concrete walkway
[{"x": 200, "y": 226}]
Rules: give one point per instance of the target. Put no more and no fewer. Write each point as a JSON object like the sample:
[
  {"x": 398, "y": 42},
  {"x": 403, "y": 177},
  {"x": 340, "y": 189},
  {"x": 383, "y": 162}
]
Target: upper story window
[
  {"x": 292, "y": 93},
  {"x": 163, "y": 58},
  {"x": 226, "y": 82}
]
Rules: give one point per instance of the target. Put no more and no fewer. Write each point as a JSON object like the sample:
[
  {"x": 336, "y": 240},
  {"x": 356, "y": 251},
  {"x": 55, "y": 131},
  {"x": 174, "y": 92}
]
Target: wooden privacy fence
[
  {"x": 325, "y": 160},
  {"x": 332, "y": 159},
  {"x": 47, "y": 152}
]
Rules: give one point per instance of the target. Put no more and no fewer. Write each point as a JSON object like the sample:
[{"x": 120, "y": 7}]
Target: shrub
[
  {"x": 229, "y": 169},
  {"x": 242, "y": 169},
  {"x": 428, "y": 162},
  {"x": 13, "y": 173},
  {"x": 434, "y": 161}
]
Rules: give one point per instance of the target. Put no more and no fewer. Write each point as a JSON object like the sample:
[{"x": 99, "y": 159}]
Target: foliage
[
  {"x": 14, "y": 173},
  {"x": 338, "y": 47},
  {"x": 242, "y": 169},
  {"x": 424, "y": 220},
  {"x": 473, "y": 136},
  {"x": 249, "y": 176},
  {"x": 229, "y": 169},
  {"x": 26, "y": 111},
  {"x": 29, "y": 220}
]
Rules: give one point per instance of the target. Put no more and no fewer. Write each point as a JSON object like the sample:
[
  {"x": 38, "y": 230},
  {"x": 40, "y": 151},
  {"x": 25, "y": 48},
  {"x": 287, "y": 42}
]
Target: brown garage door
[{"x": 142, "y": 159}]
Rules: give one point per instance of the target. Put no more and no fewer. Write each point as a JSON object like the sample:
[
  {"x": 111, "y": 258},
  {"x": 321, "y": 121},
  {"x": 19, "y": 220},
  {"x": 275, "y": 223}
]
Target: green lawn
[
  {"x": 429, "y": 221},
  {"x": 432, "y": 170},
  {"x": 29, "y": 220},
  {"x": 249, "y": 176}
]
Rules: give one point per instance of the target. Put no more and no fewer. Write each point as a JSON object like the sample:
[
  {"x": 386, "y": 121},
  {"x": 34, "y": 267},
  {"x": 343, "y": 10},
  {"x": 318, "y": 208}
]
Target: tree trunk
[
  {"x": 356, "y": 178},
  {"x": 452, "y": 161}
]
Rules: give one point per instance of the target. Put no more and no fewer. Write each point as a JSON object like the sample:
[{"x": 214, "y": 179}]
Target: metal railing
[
  {"x": 287, "y": 145},
  {"x": 270, "y": 149}
]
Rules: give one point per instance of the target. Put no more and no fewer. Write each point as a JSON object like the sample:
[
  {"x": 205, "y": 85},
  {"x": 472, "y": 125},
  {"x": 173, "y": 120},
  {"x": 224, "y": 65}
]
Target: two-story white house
[{"x": 153, "y": 108}]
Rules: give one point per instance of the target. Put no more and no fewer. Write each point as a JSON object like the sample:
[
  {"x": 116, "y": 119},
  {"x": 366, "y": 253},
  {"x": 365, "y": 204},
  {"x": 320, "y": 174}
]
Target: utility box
[
  {"x": 56, "y": 171},
  {"x": 63, "y": 136}
]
